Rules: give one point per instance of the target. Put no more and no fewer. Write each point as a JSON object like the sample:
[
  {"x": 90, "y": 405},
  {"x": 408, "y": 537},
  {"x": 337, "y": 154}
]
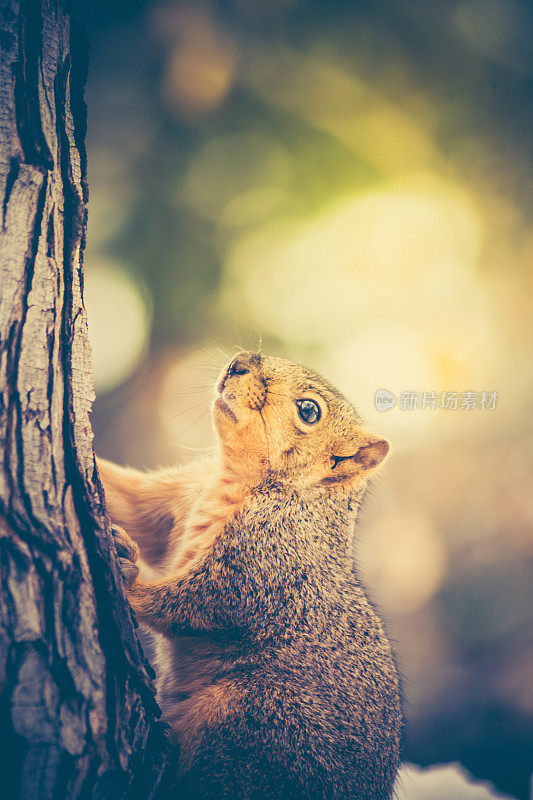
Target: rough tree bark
[{"x": 77, "y": 711}]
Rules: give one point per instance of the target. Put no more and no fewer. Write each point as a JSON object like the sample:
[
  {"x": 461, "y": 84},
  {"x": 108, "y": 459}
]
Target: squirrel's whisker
[
  {"x": 218, "y": 357},
  {"x": 193, "y": 423},
  {"x": 192, "y": 390},
  {"x": 211, "y": 449},
  {"x": 191, "y": 408},
  {"x": 205, "y": 366}
]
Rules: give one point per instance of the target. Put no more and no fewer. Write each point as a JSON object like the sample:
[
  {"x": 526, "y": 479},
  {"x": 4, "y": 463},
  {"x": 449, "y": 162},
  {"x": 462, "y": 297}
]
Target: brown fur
[{"x": 272, "y": 666}]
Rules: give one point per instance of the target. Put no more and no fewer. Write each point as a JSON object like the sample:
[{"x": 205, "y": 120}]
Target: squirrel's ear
[{"x": 370, "y": 451}]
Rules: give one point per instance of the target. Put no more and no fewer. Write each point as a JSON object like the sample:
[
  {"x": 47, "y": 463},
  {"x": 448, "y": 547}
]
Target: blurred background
[{"x": 348, "y": 184}]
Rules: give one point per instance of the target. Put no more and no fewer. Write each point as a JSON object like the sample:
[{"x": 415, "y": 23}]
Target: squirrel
[{"x": 272, "y": 667}]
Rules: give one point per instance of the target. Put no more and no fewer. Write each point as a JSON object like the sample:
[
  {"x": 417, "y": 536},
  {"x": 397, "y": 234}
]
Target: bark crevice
[
  {"x": 31, "y": 135},
  {"x": 12, "y": 176}
]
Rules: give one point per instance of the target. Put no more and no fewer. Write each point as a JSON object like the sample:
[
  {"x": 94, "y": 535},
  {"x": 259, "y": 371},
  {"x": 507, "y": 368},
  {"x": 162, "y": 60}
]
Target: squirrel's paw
[{"x": 128, "y": 553}]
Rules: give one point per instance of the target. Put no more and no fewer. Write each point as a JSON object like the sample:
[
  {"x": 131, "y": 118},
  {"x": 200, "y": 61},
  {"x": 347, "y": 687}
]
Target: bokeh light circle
[{"x": 119, "y": 322}]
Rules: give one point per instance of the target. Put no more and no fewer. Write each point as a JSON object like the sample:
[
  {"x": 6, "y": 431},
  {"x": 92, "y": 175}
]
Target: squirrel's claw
[{"x": 128, "y": 553}]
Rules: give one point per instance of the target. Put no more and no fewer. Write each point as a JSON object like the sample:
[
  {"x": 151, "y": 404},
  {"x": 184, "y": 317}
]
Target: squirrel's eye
[{"x": 308, "y": 411}]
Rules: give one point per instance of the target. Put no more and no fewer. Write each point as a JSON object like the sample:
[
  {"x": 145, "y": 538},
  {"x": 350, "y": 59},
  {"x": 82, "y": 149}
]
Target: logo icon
[{"x": 384, "y": 400}]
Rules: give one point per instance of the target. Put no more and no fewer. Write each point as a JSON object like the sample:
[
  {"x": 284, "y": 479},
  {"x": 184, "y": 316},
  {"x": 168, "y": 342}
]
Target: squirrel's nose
[
  {"x": 242, "y": 364},
  {"x": 238, "y": 368}
]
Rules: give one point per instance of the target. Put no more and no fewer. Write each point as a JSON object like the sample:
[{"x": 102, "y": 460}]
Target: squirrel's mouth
[{"x": 225, "y": 409}]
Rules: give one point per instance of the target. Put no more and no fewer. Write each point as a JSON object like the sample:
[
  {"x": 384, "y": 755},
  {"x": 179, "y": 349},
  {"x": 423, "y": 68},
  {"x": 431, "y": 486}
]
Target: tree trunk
[{"x": 77, "y": 711}]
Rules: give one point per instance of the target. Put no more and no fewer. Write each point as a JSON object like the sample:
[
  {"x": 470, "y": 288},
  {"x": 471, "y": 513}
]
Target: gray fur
[{"x": 285, "y": 619}]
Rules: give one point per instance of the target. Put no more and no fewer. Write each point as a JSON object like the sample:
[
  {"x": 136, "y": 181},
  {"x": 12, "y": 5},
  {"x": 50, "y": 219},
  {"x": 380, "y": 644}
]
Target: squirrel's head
[{"x": 277, "y": 418}]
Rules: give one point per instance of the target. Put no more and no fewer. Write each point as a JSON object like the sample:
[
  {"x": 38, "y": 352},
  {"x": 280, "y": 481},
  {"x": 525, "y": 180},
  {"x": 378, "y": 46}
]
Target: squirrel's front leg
[
  {"x": 171, "y": 606},
  {"x": 174, "y": 606},
  {"x": 128, "y": 554},
  {"x": 162, "y": 606},
  {"x": 189, "y": 601}
]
